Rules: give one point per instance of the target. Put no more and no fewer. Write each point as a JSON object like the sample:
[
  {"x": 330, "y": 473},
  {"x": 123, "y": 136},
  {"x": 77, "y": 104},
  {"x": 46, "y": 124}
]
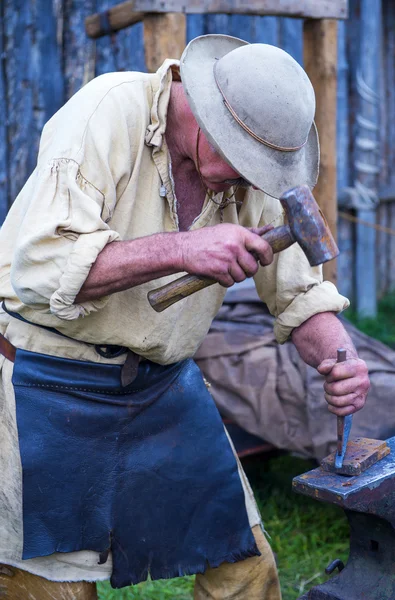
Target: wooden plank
[
  {"x": 19, "y": 31},
  {"x": 365, "y": 265},
  {"x": 388, "y": 95},
  {"x": 382, "y": 249},
  {"x": 131, "y": 55},
  {"x": 196, "y": 25},
  {"x": 46, "y": 64},
  {"x": 106, "y": 47},
  {"x": 291, "y": 37},
  {"x": 387, "y": 192},
  {"x": 325, "y": 9},
  {"x": 345, "y": 262},
  {"x": 164, "y": 37},
  {"x": 4, "y": 199},
  {"x": 218, "y": 23},
  {"x": 243, "y": 27},
  {"x": 111, "y": 20},
  {"x": 123, "y": 51},
  {"x": 127, "y": 13},
  {"x": 366, "y": 152},
  {"x": 391, "y": 248},
  {"x": 343, "y": 130},
  {"x": 268, "y": 30},
  {"x": 320, "y": 61},
  {"x": 78, "y": 52}
]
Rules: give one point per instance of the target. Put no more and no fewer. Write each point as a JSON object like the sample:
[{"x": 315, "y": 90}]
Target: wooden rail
[{"x": 130, "y": 12}]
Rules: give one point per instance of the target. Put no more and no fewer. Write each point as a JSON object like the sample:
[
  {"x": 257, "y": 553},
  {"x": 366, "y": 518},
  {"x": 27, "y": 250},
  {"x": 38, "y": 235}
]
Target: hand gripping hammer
[{"x": 305, "y": 224}]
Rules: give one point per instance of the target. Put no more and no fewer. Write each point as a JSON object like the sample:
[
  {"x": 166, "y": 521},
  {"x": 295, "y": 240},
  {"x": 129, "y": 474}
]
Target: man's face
[{"x": 217, "y": 175}]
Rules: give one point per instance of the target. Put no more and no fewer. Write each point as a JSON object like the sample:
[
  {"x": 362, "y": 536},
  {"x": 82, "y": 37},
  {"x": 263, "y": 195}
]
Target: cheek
[
  {"x": 212, "y": 164},
  {"x": 221, "y": 170}
]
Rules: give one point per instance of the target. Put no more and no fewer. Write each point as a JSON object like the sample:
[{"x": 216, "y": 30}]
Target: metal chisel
[{"x": 343, "y": 424}]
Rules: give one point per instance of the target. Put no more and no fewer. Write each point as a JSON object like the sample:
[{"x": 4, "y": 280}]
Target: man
[{"x": 127, "y": 471}]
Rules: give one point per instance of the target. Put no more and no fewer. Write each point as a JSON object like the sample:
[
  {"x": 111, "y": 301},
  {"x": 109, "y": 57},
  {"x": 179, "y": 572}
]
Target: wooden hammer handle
[{"x": 163, "y": 297}]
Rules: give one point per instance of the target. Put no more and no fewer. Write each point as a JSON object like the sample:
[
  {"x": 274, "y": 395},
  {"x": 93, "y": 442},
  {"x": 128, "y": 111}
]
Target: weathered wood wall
[
  {"x": 45, "y": 57},
  {"x": 348, "y": 65}
]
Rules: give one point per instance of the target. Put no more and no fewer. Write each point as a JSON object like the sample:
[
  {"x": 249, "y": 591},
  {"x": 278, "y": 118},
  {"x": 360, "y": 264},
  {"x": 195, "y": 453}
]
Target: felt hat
[{"x": 255, "y": 104}]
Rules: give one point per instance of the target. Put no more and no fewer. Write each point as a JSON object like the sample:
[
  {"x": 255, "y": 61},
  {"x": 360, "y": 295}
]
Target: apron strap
[{"x": 7, "y": 349}]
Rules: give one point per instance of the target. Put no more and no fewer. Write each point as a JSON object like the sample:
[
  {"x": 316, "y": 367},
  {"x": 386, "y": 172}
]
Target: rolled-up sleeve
[
  {"x": 62, "y": 233},
  {"x": 87, "y": 155},
  {"x": 292, "y": 289}
]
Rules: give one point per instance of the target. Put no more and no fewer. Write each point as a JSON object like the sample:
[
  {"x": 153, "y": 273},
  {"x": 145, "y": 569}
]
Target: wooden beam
[
  {"x": 127, "y": 13},
  {"x": 320, "y": 62},
  {"x": 114, "y": 19},
  {"x": 164, "y": 37}
]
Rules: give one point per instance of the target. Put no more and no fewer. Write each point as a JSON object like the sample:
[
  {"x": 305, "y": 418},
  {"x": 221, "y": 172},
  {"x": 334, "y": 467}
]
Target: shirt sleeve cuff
[
  {"x": 85, "y": 252},
  {"x": 323, "y": 297}
]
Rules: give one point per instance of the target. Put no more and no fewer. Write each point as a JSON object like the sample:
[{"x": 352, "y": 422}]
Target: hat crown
[{"x": 269, "y": 92}]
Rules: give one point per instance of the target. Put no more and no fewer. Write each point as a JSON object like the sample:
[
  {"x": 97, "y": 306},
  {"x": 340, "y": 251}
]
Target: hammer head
[{"x": 308, "y": 225}]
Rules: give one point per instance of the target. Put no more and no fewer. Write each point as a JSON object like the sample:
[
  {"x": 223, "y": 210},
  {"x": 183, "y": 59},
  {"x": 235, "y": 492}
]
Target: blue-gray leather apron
[{"x": 145, "y": 471}]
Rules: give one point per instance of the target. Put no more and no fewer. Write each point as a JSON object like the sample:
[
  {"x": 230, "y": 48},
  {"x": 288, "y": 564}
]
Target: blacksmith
[{"x": 114, "y": 460}]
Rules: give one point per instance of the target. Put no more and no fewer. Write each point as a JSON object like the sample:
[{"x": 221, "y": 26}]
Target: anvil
[{"x": 369, "y": 503}]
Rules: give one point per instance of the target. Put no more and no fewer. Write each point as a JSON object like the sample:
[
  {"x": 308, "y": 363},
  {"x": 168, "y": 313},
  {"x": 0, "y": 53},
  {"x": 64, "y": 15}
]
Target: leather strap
[
  {"x": 7, "y": 349},
  {"x": 130, "y": 368}
]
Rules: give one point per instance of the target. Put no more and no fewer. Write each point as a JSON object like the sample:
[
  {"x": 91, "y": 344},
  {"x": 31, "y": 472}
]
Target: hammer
[{"x": 305, "y": 224}]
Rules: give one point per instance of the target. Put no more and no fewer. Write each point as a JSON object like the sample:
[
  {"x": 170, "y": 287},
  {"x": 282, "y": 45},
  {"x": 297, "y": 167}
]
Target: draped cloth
[{"x": 269, "y": 391}]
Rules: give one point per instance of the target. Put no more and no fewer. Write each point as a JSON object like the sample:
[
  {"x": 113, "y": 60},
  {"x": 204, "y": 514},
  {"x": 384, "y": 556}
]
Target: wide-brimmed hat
[{"x": 256, "y": 105}]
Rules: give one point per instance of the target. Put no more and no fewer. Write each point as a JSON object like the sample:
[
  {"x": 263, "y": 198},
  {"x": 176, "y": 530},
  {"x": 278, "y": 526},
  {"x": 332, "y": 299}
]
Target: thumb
[{"x": 326, "y": 366}]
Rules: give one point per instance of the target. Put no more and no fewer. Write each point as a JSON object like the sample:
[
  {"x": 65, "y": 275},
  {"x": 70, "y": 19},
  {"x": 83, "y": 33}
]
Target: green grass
[
  {"x": 383, "y": 327},
  {"x": 305, "y": 535},
  {"x": 173, "y": 589}
]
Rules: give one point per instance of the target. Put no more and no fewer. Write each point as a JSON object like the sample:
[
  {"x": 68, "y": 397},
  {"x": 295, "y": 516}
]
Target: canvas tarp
[{"x": 270, "y": 392}]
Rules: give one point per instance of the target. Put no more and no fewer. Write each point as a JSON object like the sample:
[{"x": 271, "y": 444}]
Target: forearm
[
  {"x": 225, "y": 253},
  {"x": 319, "y": 337},
  {"x": 122, "y": 265}
]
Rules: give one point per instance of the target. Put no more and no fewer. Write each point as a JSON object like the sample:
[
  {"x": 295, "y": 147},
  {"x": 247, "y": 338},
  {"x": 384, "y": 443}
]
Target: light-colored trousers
[{"x": 252, "y": 579}]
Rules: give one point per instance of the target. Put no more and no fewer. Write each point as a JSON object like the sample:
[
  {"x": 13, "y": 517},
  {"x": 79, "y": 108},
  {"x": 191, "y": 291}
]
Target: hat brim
[{"x": 272, "y": 171}]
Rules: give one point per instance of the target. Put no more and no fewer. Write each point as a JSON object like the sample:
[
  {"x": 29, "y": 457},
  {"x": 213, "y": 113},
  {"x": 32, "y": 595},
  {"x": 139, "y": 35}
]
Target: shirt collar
[{"x": 161, "y": 87}]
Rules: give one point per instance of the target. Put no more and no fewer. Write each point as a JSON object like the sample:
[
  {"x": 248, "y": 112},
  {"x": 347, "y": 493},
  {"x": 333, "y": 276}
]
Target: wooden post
[
  {"x": 4, "y": 199},
  {"x": 320, "y": 62},
  {"x": 366, "y": 155},
  {"x": 164, "y": 37}
]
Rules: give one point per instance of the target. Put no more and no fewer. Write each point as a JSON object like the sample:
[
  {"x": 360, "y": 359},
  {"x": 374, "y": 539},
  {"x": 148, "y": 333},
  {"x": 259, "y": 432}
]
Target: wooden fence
[{"x": 45, "y": 57}]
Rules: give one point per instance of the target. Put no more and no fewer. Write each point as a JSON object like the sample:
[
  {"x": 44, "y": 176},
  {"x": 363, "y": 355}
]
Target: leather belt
[
  {"x": 128, "y": 371},
  {"x": 7, "y": 349}
]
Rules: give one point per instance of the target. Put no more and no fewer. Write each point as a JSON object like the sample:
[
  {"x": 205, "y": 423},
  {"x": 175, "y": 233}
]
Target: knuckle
[
  {"x": 329, "y": 398},
  {"x": 254, "y": 269},
  {"x": 239, "y": 277},
  {"x": 359, "y": 402},
  {"x": 226, "y": 281}
]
